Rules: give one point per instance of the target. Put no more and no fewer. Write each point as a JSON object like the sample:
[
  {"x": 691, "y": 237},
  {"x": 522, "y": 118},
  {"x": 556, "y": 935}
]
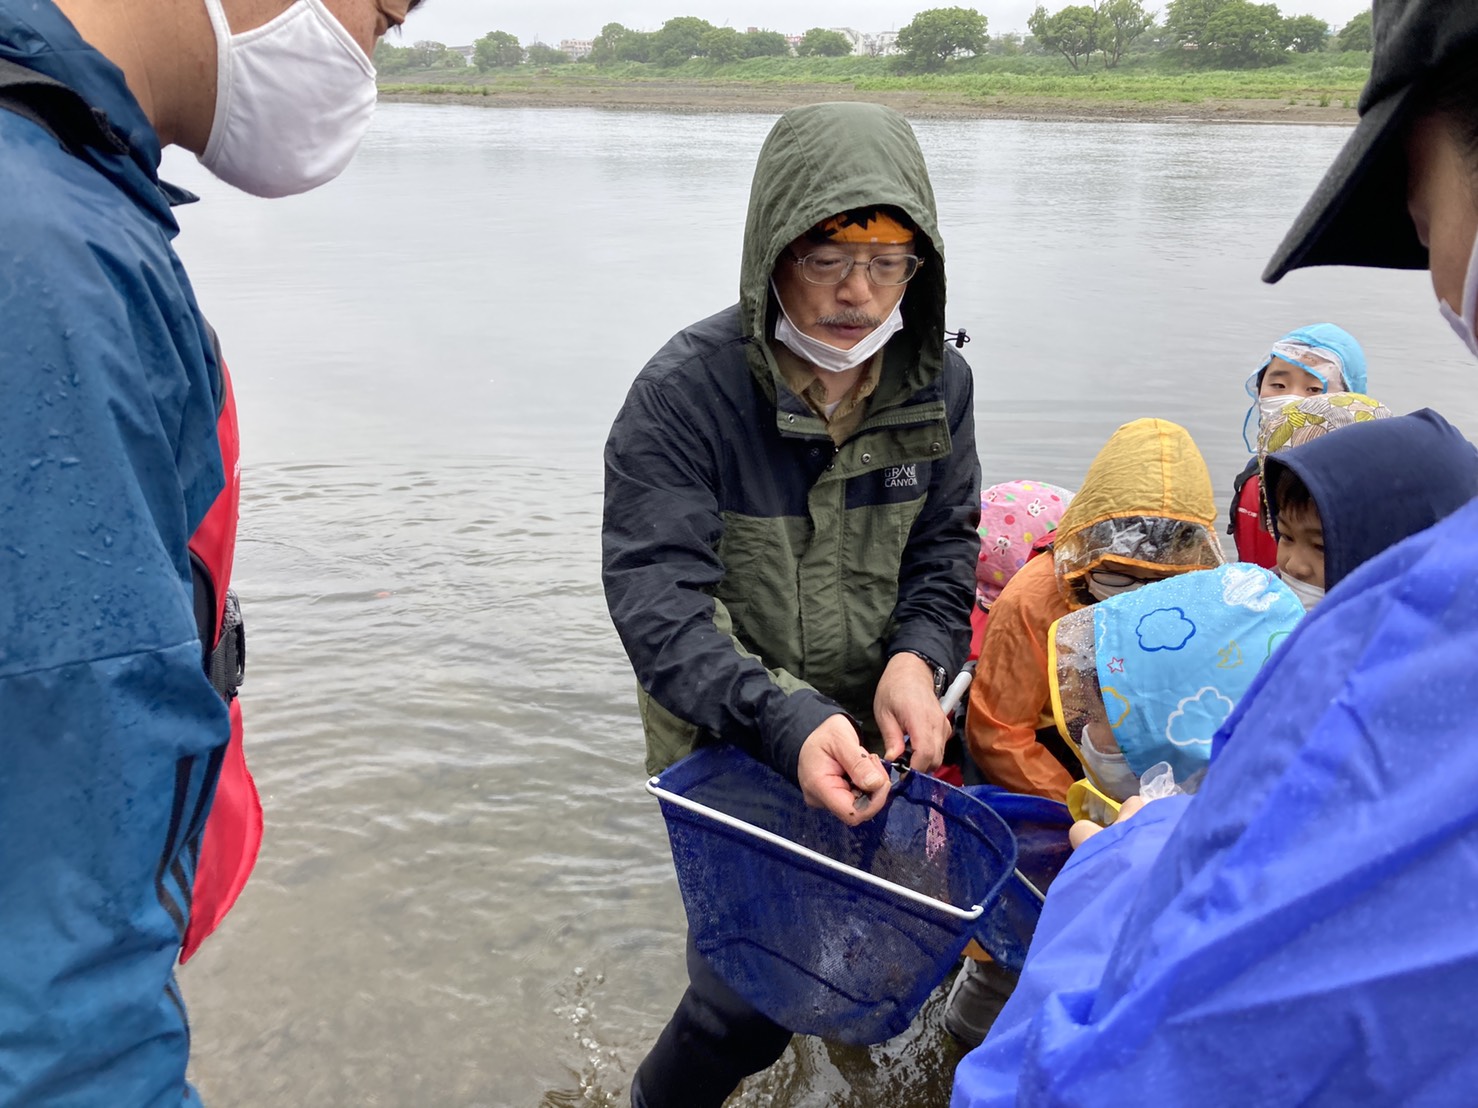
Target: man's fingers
[
  {"x": 928, "y": 744},
  {"x": 928, "y": 731},
  {"x": 842, "y": 800},
  {"x": 892, "y": 737},
  {"x": 867, "y": 773}
]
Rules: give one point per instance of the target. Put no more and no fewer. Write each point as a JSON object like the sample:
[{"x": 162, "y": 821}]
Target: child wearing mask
[
  {"x": 1340, "y": 500},
  {"x": 1316, "y": 360},
  {"x": 1145, "y": 512},
  {"x": 1143, "y": 681}
]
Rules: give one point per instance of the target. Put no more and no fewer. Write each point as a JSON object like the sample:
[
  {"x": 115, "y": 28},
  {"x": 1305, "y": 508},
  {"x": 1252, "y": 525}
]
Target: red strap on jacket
[
  {"x": 233, "y": 830},
  {"x": 1253, "y": 543}
]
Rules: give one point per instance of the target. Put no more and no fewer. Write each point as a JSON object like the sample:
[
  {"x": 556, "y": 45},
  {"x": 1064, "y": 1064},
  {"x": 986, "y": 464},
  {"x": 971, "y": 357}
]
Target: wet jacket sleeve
[
  {"x": 107, "y": 722},
  {"x": 936, "y": 581},
  {"x": 1011, "y": 689},
  {"x": 660, "y": 567}
]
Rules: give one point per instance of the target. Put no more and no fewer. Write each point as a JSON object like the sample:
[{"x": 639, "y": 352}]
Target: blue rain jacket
[
  {"x": 108, "y": 726},
  {"x": 1302, "y": 931}
]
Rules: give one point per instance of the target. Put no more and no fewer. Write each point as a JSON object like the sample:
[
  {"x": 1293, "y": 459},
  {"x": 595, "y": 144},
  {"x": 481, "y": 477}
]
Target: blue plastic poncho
[{"x": 1302, "y": 930}]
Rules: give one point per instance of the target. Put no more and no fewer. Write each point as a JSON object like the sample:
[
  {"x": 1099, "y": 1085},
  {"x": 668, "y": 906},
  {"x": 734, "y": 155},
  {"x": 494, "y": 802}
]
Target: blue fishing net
[
  {"x": 1040, "y": 829},
  {"x": 818, "y": 950}
]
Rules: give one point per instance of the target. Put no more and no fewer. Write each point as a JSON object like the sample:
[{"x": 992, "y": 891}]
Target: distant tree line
[
  {"x": 1221, "y": 34},
  {"x": 1216, "y": 34},
  {"x": 421, "y": 55},
  {"x": 690, "y": 37}
]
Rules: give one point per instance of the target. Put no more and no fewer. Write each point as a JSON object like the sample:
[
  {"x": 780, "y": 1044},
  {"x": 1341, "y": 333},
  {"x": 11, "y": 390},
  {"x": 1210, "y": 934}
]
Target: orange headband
[{"x": 877, "y": 228}]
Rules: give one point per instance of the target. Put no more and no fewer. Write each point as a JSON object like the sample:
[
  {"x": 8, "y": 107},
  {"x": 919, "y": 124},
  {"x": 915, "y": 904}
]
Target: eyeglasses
[{"x": 886, "y": 270}]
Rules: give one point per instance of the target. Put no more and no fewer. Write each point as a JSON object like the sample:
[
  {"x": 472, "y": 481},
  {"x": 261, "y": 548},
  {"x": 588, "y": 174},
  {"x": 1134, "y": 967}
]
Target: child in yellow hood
[{"x": 1146, "y": 511}]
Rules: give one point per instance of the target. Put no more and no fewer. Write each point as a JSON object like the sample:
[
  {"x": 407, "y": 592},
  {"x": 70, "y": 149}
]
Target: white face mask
[
  {"x": 293, "y": 100},
  {"x": 1103, "y": 592},
  {"x": 1110, "y": 771},
  {"x": 829, "y": 358},
  {"x": 1266, "y": 408},
  {"x": 1269, "y": 406},
  {"x": 1465, "y": 322},
  {"x": 1308, "y": 595}
]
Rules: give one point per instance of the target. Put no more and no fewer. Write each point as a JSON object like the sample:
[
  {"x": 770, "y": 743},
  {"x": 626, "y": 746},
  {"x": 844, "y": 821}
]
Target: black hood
[{"x": 1376, "y": 484}]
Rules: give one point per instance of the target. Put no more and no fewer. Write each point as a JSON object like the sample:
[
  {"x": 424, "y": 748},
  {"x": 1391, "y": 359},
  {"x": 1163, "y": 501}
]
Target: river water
[{"x": 465, "y": 897}]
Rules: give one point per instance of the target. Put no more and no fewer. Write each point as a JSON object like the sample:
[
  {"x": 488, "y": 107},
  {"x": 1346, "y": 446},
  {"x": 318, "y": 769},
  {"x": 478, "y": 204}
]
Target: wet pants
[{"x": 714, "y": 1040}]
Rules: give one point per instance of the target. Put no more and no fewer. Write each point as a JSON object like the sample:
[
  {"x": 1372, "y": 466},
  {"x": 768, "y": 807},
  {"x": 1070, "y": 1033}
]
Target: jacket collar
[{"x": 35, "y": 34}]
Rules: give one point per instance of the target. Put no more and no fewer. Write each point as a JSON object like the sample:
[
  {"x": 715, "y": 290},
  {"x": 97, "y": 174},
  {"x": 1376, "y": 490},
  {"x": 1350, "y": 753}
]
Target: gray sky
[{"x": 458, "y": 22}]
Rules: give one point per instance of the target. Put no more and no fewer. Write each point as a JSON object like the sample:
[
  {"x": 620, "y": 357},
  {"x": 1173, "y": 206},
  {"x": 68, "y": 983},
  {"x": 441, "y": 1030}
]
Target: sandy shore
[{"x": 738, "y": 96}]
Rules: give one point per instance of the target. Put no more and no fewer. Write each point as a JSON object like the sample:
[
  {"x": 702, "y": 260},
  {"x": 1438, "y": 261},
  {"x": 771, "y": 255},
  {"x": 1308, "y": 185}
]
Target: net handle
[{"x": 965, "y": 914}]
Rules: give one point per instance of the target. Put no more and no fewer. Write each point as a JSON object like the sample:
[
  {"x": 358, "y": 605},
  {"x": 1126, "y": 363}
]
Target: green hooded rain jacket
[{"x": 759, "y": 576}]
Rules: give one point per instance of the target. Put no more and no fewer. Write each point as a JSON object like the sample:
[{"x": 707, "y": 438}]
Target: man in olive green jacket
[{"x": 792, "y": 492}]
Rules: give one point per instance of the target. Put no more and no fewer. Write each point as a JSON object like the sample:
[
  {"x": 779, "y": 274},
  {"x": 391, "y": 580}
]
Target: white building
[
  {"x": 880, "y": 45},
  {"x": 864, "y": 44},
  {"x": 577, "y": 48}
]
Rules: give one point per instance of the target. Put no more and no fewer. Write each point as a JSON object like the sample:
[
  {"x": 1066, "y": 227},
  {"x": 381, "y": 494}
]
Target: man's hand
[
  {"x": 833, "y": 766},
  {"x": 1085, "y": 829},
  {"x": 906, "y": 704}
]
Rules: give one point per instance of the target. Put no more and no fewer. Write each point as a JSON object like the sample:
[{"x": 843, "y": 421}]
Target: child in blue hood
[
  {"x": 1311, "y": 361},
  {"x": 1142, "y": 681},
  {"x": 1340, "y": 500}
]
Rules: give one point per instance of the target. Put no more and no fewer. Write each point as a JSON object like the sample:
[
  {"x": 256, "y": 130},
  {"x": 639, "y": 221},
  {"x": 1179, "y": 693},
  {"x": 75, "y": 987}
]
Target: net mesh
[
  {"x": 818, "y": 951},
  {"x": 1040, "y": 829}
]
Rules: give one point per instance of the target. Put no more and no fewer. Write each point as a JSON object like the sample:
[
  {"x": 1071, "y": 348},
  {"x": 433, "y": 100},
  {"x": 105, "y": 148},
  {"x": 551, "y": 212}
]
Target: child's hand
[{"x": 1085, "y": 829}]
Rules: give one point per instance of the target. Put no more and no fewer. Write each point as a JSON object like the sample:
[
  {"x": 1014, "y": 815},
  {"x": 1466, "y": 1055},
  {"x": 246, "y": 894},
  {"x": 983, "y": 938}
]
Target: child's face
[
  {"x": 1286, "y": 379},
  {"x": 1301, "y": 545}
]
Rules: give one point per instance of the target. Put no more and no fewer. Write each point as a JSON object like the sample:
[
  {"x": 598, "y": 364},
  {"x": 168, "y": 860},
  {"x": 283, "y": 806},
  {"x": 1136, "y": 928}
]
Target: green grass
[{"x": 1307, "y": 79}]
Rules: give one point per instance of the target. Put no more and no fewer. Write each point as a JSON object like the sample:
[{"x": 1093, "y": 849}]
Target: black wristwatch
[{"x": 941, "y": 678}]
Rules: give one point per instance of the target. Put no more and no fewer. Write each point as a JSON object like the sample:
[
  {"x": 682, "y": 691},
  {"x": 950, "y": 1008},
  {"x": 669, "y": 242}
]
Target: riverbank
[
  {"x": 942, "y": 103},
  {"x": 1320, "y": 89}
]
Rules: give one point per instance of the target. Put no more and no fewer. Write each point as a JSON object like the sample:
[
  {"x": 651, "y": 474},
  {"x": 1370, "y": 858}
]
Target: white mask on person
[
  {"x": 294, "y": 98},
  {"x": 829, "y": 358},
  {"x": 1269, "y": 406},
  {"x": 1308, "y": 595},
  {"x": 1110, "y": 771},
  {"x": 1266, "y": 408},
  {"x": 1466, "y": 321},
  {"x": 1314, "y": 362},
  {"x": 1103, "y": 592}
]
